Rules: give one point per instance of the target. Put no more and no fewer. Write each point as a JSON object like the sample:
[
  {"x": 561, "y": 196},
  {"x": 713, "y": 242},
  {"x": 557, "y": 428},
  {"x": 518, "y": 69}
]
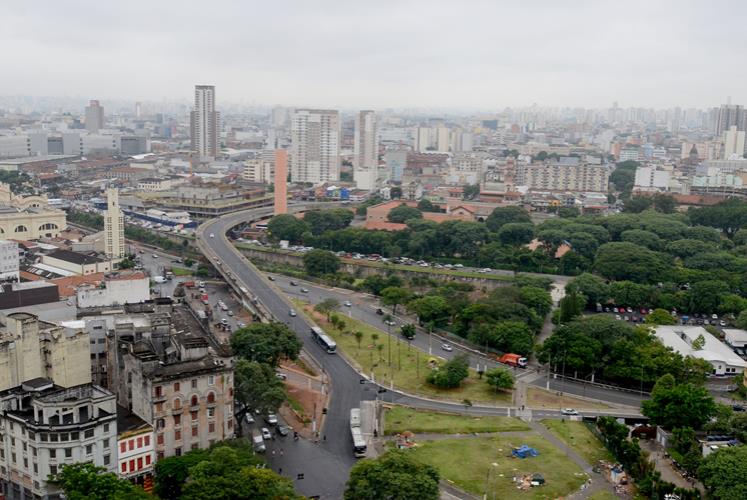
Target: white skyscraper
[
  {"x": 315, "y": 146},
  {"x": 94, "y": 117},
  {"x": 733, "y": 143},
  {"x": 204, "y": 122},
  {"x": 114, "y": 246},
  {"x": 366, "y": 151}
]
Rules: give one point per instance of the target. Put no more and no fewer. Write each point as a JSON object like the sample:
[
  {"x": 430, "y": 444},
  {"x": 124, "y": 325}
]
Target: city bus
[
  {"x": 327, "y": 343},
  {"x": 359, "y": 443}
]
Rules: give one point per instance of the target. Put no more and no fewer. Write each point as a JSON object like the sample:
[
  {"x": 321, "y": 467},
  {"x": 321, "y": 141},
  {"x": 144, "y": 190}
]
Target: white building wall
[
  {"x": 9, "y": 260},
  {"x": 117, "y": 292}
]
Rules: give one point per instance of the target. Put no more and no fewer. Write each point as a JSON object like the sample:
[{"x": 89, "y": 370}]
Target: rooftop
[
  {"x": 680, "y": 339},
  {"x": 75, "y": 257}
]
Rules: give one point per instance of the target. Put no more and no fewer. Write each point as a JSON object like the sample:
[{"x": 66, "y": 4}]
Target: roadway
[{"x": 325, "y": 465}]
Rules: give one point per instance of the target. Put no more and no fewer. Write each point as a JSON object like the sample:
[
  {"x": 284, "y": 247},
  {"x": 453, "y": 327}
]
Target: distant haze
[{"x": 383, "y": 53}]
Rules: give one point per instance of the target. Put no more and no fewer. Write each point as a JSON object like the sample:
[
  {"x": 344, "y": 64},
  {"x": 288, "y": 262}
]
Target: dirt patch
[
  {"x": 540, "y": 398},
  {"x": 303, "y": 405}
]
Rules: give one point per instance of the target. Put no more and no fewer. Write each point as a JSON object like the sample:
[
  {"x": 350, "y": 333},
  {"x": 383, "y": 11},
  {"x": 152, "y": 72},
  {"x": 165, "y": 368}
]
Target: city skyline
[{"x": 416, "y": 54}]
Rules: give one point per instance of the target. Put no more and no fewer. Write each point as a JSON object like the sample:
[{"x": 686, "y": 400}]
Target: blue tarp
[{"x": 524, "y": 451}]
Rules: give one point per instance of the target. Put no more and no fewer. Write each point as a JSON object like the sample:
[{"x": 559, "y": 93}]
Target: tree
[
  {"x": 571, "y": 306},
  {"x": 642, "y": 238},
  {"x": 430, "y": 309},
  {"x": 568, "y": 212},
  {"x": 425, "y": 205},
  {"x": 512, "y": 336},
  {"x": 516, "y": 233},
  {"x": 500, "y": 378},
  {"x": 741, "y": 321},
  {"x": 327, "y": 306},
  {"x": 404, "y": 213},
  {"x": 660, "y": 317},
  {"x": 674, "y": 405},
  {"x": 506, "y": 215},
  {"x": 699, "y": 343},
  {"x": 287, "y": 227},
  {"x": 450, "y": 374},
  {"x": 358, "y": 338},
  {"x": 723, "y": 473},
  {"x": 705, "y": 296},
  {"x": 395, "y": 193},
  {"x": 393, "y": 476},
  {"x": 395, "y": 295},
  {"x": 408, "y": 331},
  {"x": 470, "y": 191},
  {"x": 257, "y": 387},
  {"x": 536, "y": 298},
  {"x": 638, "y": 204},
  {"x": 320, "y": 262},
  {"x": 320, "y": 221},
  {"x": 82, "y": 481},
  {"x": 265, "y": 343},
  {"x": 594, "y": 288},
  {"x": 627, "y": 261}
]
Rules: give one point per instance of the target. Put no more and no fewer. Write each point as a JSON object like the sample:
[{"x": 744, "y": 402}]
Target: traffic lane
[{"x": 589, "y": 391}]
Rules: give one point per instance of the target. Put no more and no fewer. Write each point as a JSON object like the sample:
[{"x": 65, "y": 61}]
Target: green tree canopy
[
  {"x": 331, "y": 219},
  {"x": 450, "y": 374},
  {"x": 500, "y": 378},
  {"x": 320, "y": 262},
  {"x": 723, "y": 473},
  {"x": 627, "y": 261},
  {"x": 395, "y": 295},
  {"x": 506, "y": 215},
  {"x": 660, "y": 317},
  {"x": 85, "y": 481},
  {"x": 674, "y": 405},
  {"x": 404, "y": 213},
  {"x": 516, "y": 233},
  {"x": 265, "y": 343},
  {"x": 287, "y": 227},
  {"x": 430, "y": 309},
  {"x": 393, "y": 476},
  {"x": 257, "y": 387},
  {"x": 594, "y": 288}
]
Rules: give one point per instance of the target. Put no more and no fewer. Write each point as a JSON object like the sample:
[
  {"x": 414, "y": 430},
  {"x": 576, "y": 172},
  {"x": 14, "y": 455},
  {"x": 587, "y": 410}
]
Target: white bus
[
  {"x": 327, "y": 343},
  {"x": 359, "y": 443}
]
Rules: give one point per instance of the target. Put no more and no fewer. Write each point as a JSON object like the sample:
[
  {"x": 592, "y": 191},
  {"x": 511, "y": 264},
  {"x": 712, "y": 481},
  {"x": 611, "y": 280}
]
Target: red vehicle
[
  {"x": 189, "y": 284},
  {"x": 204, "y": 299},
  {"x": 513, "y": 360}
]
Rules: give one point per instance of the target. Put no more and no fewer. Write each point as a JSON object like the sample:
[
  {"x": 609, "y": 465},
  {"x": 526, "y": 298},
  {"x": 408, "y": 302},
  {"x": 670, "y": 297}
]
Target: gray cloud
[{"x": 438, "y": 53}]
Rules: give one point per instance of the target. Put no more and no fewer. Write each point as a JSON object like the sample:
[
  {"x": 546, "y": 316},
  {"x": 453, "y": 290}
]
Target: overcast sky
[{"x": 380, "y": 53}]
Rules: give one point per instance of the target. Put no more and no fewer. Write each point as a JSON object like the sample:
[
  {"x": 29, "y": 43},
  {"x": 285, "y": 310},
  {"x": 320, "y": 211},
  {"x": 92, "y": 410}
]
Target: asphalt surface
[{"x": 326, "y": 464}]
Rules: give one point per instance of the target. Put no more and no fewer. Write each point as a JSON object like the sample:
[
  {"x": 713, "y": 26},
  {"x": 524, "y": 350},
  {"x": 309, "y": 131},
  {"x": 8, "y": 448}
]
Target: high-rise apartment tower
[
  {"x": 315, "y": 145},
  {"x": 204, "y": 122}
]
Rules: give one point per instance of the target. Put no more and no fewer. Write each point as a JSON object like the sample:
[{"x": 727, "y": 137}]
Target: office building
[
  {"x": 315, "y": 146},
  {"x": 204, "y": 123},
  {"x": 733, "y": 143},
  {"x": 44, "y": 426},
  {"x": 651, "y": 179},
  {"x": 94, "y": 117},
  {"x": 365, "y": 151},
  {"x": 114, "y": 241},
  {"x": 281, "y": 182},
  {"x": 396, "y": 161}
]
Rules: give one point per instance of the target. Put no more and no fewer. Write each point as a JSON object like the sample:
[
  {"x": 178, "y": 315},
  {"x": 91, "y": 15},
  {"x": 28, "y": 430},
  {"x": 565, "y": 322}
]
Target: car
[
  {"x": 266, "y": 434},
  {"x": 568, "y": 411},
  {"x": 240, "y": 324},
  {"x": 249, "y": 418},
  {"x": 293, "y": 283},
  {"x": 155, "y": 256},
  {"x": 292, "y": 313},
  {"x": 447, "y": 347},
  {"x": 389, "y": 322},
  {"x": 618, "y": 317},
  {"x": 722, "y": 323},
  {"x": 629, "y": 309},
  {"x": 271, "y": 278},
  {"x": 141, "y": 251},
  {"x": 201, "y": 284},
  {"x": 283, "y": 430},
  {"x": 259, "y": 445},
  {"x": 212, "y": 235},
  {"x": 380, "y": 311},
  {"x": 304, "y": 290},
  {"x": 224, "y": 321},
  {"x": 230, "y": 313},
  {"x": 271, "y": 419},
  {"x": 714, "y": 316},
  {"x": 738, "y": 408},
  {"x": 281, "y": 376},
  {"x": 347, "y": 303}
]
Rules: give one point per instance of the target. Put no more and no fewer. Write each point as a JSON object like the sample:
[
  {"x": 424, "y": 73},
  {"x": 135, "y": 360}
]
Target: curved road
[{"x": 325, "y": 467}]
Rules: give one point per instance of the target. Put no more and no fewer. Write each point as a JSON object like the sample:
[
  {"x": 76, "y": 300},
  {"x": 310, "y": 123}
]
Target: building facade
[
  {"x": 365, "y": 151},
  {"x": 136, "y": 455},
  {"x": 559, "y": 176},
  {"x": 205, "y": 122},
  {"x": 94, "y": 117},
  {"x": 9, "y": 261},
  {"x": 44, "y": 426},
  {"x": 114, "y": 240},
  {"x": 315, "y": 146}
]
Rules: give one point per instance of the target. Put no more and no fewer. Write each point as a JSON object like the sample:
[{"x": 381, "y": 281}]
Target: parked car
[
  {"x": 568, "y": 411},
  {"x": 304, "y": 290},
  {"x": 271, "y": 278},
  {"x": 271, "y": 419},
  {"x": 281, "y": 376},
  {"x": 258, "y": 443},
  {"x": 249, "y": 418},
  {"x": 266, "y": 433},
  {"x": 292, "y": 313},
  {"x": 283, "y": 430},
  {"x": 293, "y": 283},
  {"x": 447, "y": 347},
  {"x": 380, "y": 311},
  {"x": 212, "y": 235},
  {"x": 223, "y": 321},
  {"x": 389, "y": 322},
  {"x": 347, "y": 303}
]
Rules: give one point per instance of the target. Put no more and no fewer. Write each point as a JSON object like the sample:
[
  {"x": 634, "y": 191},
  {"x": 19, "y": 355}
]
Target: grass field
[
  {"x": 410, "y": 366},
  {"x": 540, "y": 398},
  {"x": 401, "y": 418},
  {"x": 180, "y": 271},
  {"x": 603, "y": 495},
  {"x": 580, "y": 438},
  {"x": 468, "y": 463}
]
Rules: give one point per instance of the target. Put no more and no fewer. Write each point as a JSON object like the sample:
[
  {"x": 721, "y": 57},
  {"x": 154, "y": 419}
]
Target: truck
[
  {"x": 359, "y": 443},
  {"x": 159, "y": 279},
  {"x": 513, "y": 360}
]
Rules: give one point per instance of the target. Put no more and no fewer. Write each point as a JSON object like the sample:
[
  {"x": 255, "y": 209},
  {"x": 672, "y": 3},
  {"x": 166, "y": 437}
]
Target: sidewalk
[{"x": 310, "y": 395}]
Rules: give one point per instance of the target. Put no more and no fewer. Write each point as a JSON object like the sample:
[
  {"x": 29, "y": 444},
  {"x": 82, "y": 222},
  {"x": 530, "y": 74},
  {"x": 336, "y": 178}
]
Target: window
[
  {"x": 74, "y": 436},
  {"x": 195, "y": 401},
  {"x": 147, "y": 459},
  {"x": 178, "y": 452},
  {"x": 160, "y": 424},
  {"x": 176, "y": 386},
  {"x": 211, "y": 398},
  {"x": 177, "y": 435},
  {"x": 211, "y": 379},
  {"x": 211, "y": 427},
  {"x": 106, "y": 428},
  {"x": 68, "y": 453},
  {"x": 194, "y": 383},
  {"x": 107, "y": 459},
  {"x": 177, "y": 404},
  {"x": 195, "y": 431},
  {"x": 159, "y": 455},
  {"x": 33, "y": 451},
  {"x": 124, "y": 467},
  {"x": 177, "y": 420},
  {"x": 131, "y": 444},
  {"x": 195, "y": 446},
  {"x": 87, "y": 434},
  {"x": 132, "y": 465},
  {"x": 139, "y": 463},
  {"x": 53, "y": 469},
  {"x": 146, "y": 440},
  {"x": 194, "y": 415},
  {"x": 106, "y": 444},
  {"x": 159, "y": 407},
  {"x": 211, "y": 412},
  {"x": 89, "y": 449},
  {"x": 36, "y": 468},
  {"x": 158, "y": 391},
  {"x": 64, "y": 436},
  {"x": 122, "y": 447},
  {"x": 52, "y": 453},
  {"x": 159, "y": 439},
  {"x": 139, "y": 442}
]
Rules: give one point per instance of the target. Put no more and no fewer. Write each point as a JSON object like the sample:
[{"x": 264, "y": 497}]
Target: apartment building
[
  {"x": 136, "y": 452},
  {"x": 366, "y": 151},
  {"x": 30, "y": 349},
  {"x": 204, "y": 120},
  {"x": 176, "y": 384},
  {"x": 114, "y": 240},
  {"x": 567, "y": 174},
  {"x": 44, "y": 426},
  {"x": 315, "y": 146},
  {"x": 94, "y": 117}
]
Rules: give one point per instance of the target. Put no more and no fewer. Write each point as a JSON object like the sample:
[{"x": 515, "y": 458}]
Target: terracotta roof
[
  {"x": 385, "y": 226},
  {"x": 67, "y": 286}
]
